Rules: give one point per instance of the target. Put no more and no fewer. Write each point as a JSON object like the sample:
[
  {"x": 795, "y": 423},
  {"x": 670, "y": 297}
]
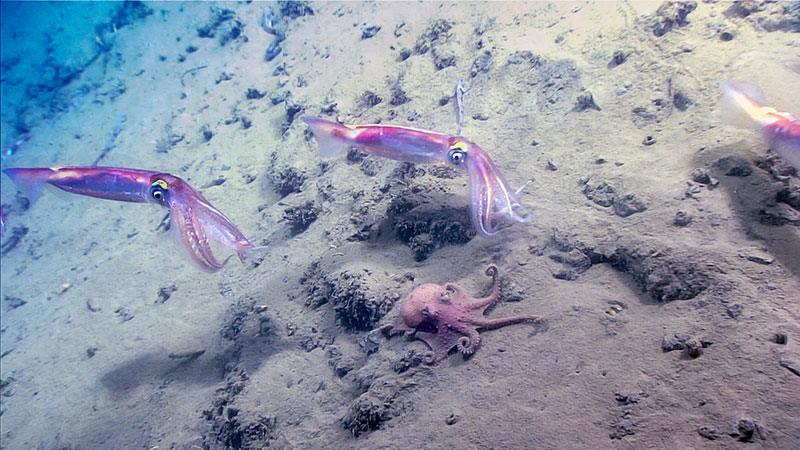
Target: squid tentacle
[{"x": 192, "y": 235}]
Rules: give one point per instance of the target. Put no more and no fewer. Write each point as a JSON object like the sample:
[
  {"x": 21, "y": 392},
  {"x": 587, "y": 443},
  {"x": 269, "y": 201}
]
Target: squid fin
[
  {"x": 332, "y": 137},
  {"x": 786, "y": 148},
  {"x": 740, "y": 103},
  {"x": 30, "y": 182}
]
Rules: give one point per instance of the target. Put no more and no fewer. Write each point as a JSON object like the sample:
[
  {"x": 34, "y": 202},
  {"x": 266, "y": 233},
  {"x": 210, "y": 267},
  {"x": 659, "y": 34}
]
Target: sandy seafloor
[{"x": 112, "y": 338}]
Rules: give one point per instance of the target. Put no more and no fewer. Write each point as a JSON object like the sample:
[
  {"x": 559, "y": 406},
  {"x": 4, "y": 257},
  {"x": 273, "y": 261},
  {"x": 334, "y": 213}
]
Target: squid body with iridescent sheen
[
  {"x": 196, "y": 221},
  {"x": 493, "y": 206}
]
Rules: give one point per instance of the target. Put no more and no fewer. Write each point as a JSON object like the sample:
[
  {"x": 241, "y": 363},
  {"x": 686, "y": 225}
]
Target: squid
[
  {"x": 196, "y": 221},
  {"x": 744, "y": 106},
  {"x": 494, "y": 206}
]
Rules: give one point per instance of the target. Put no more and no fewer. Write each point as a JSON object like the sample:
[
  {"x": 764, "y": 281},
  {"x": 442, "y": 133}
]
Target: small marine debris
[
  {"x": 254, "y": 94},
  {"x": 681, "y": 101},
  {"x": 224, "y": 76},
  {"x": 708, "y": 433},
  {"x": 369, "y": 99},
  {"x": 124, "y": 313},
  {"x": 617, "y": 58},
  {"x": 13, "y": 302},
  {"x": 206, "y": 133},
  {"x": 756, "y": 257},
  {"x": 481, "y": 64},
  {"x": 459, "y": 95},
  {"x": 398, "y": 97},
  {"x": 615, "y": 307},
  {"x": 165, "y": 293},
  {"x": 628, "y": 204},
  {"x": 279, "y": 97},
  {"x": 584, "y": 102},
  {"x": 435, "y": 38},
  {"x": 669, "y": 15},
  {"x": 14, "y": 148},
  {"x": 370, "y": 32},
  {"x": 191, "y": 71},
  {"x": 681, "y": 341},
  {"x": 112, "y": 139},
  {"x": 576, "y": 261},
  {"x": 223, "y": 23},
  {"x": 219, "y": 181},
  {"x": 745, "y": 430},
  {"x": 404, "y": 54},
  {"x": 411, "y": 359},
  {"x": 400, "y": 29},
  {"x": 604, "y": 194},
  {"x": 727, "y": 35},
  {"x": 269, "y": 24},
  {"x": 17, "y": 233},
  {"x": 187, "y": 355},
  {"x": 371, "y": 342},
  {"x": 628, "y": 398},
  {"x": 342, "y": 365},
  {"x": 791, "y": 364},
  {"x": 292, "y": 110},
  {"x": 622, "y": 429},
  {"x": 165, "y": 144},
  {"x": 92, "y": 306},
  {"x": 682, "y": 218},
  {"x": 703, "y": 176}
]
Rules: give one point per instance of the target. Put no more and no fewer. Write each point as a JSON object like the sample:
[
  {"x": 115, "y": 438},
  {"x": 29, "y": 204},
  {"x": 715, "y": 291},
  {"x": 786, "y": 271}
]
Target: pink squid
[
  {"x": 196, "y": 221},
  {"x": 494, "y": 205}
]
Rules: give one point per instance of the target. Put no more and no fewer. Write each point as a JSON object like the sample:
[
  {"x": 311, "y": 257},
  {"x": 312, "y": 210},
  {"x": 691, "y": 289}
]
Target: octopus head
[{"x": 423, "y": 305}]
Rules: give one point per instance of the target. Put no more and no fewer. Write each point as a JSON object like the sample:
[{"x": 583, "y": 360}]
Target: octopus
[{"x": 447, "y": 316}]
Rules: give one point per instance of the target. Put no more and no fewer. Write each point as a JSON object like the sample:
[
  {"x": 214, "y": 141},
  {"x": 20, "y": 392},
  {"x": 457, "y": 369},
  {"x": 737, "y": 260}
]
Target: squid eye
[
  {"x": 158, "y": 191},
  {"x": 457, "y": 156}
]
